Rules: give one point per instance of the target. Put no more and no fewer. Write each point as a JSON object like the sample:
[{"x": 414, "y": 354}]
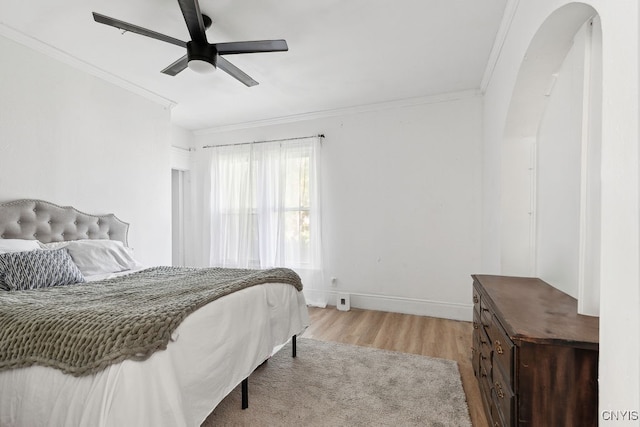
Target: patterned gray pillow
[{"x": 38, "y": 269}]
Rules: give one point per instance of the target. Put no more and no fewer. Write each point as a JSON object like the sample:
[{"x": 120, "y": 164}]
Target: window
[
  {"x": 297, "y": 204},
  {"x": 265, "y": 207}
]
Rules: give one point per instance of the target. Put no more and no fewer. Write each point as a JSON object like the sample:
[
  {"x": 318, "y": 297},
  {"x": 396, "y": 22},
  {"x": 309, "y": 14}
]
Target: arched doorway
[{"x": 551, "y": 158}]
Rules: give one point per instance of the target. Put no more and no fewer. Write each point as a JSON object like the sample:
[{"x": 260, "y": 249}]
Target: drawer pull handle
[
  {"x": 475, "y": 299},
  {"x": 499, "y": 391},
  {"x": 498, "y": 347},
  {"x": 475, "y": 325}
]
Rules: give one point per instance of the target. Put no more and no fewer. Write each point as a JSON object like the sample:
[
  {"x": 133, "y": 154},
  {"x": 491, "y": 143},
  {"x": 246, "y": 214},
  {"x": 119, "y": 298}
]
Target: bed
[{"x": 210, "y": 352}]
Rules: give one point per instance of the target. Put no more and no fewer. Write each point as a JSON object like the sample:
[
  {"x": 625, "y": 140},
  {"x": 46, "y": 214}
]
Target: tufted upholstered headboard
[{"x": 47, "y": 222}]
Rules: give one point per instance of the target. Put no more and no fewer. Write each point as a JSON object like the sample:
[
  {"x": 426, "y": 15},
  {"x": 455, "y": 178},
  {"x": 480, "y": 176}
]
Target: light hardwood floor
[{"x": 428, "y": 336}]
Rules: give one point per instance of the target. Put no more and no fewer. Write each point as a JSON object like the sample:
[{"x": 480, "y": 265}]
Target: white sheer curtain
[{"x": 265, "y": 209}]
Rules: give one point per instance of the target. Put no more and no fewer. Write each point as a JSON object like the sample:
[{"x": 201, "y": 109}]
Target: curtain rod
[
  {"x": 183, "y": 148},
  {"x": 321, "y": 135}
]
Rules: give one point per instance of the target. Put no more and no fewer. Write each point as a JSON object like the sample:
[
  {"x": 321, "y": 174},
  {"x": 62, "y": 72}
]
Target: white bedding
[{"x": 213, "y": 350}]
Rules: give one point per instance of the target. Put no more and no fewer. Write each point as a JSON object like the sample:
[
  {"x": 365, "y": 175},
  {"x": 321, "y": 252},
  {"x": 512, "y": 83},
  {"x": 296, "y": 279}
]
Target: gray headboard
[{"x": 47, "y": 222}]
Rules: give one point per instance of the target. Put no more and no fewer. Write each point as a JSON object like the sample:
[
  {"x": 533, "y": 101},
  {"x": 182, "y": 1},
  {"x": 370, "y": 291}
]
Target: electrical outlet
[{"x": 343, "y": 302}]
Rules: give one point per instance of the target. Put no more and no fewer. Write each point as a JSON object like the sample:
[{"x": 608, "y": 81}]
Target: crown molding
[
  {"x": 55, "y": 53},
  {"x": 498, "y": 43},
  {"x": 358, "y": 109}
]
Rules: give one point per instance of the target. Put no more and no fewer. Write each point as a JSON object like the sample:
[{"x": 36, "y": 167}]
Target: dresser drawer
[
  {"x": 486, "y": 315},
  {"x": 503, "y": 396},
  {"x": 480, "y": 342},
  {"x": 484, "y": 381},
  {"x": 476, "y": 299},
  {"x": 489, "y": 405},
  {"x": 497, "y": 415},
  {"x": 475, "y": 354},
  {"x": 502, "y": 348},
  {"x": 486, "y": 376},
  {"x": 477, "y": 324}
]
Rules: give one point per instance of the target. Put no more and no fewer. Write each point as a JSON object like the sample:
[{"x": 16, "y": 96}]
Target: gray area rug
[{"x": 331, "y": 384}]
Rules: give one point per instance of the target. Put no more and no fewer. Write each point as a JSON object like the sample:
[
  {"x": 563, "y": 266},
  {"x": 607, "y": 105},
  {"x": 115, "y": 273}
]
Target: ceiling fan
[{"x": 201, "y": 56}]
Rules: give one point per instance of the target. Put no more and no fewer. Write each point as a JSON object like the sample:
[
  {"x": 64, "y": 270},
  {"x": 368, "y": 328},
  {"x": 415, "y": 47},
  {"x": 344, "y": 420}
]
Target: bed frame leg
[
  {"x": 293, "y": 346},
  {"x": 245, "y": 382},
  {"x": 245, "y": 393}
]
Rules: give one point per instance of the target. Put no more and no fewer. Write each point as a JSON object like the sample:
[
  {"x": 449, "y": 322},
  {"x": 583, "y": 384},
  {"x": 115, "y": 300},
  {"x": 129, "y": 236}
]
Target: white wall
[
  {"x": 558, "y": 173},
  {"x": 181, "y": 138},
  {"x": 619, "y": 371},
  {"x": 400, "y": 199},
  {"x": 73, "y": 139}
]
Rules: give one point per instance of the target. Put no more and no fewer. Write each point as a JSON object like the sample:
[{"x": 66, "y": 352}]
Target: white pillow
[
  {"x": 18, "y": 245},
  {"x": 54, "y": 245},
  {"x": 99, "y": 256}
]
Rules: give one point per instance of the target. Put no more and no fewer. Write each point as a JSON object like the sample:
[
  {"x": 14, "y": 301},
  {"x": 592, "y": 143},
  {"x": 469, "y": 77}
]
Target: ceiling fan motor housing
[{"x": 202, "y": 52}]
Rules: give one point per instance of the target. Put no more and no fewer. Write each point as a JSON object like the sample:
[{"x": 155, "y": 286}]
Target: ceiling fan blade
[
  {"x": 256, "y": 46},
  {"x": 193, "y": 18},
  {"x": 235, "y": 72},
  {"x": 177, "y": 66},
  {"x": 136, "y": 29}
]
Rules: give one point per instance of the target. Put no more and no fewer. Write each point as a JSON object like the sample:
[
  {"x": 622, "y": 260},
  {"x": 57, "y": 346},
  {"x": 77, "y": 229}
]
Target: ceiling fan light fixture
[{"x": 201, "y": 66}]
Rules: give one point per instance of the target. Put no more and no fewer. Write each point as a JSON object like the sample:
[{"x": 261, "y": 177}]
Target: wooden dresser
[{"x": 535, "y": 358}]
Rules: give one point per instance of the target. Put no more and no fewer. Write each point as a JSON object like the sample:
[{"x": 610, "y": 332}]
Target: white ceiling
[{"x": 342, "y": 53}]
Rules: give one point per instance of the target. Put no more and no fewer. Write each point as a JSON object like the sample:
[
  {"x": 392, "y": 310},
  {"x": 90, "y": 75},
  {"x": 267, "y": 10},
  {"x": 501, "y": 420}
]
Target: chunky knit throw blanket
[{"x": 81, "y": 329}]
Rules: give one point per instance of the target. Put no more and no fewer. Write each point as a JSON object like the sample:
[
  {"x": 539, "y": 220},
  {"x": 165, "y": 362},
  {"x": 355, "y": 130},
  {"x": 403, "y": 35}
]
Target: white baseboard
[{"x": 445, "y": 310}]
